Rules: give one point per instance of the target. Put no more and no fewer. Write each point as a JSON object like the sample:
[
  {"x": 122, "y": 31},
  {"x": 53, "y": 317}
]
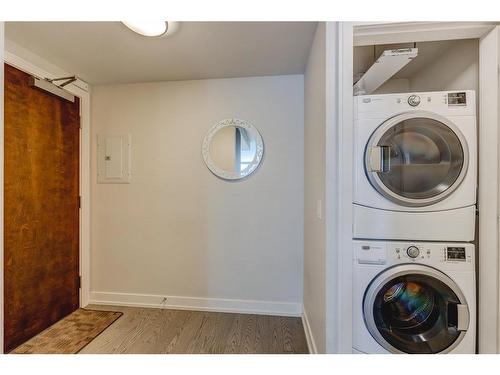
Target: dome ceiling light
[{"x": 152, "y": 28}]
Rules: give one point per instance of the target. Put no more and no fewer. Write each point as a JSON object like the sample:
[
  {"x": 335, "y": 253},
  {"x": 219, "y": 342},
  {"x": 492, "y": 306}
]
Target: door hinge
[
  {"x": 79, "y": 282},
  {"x": 79, "y": 201}
]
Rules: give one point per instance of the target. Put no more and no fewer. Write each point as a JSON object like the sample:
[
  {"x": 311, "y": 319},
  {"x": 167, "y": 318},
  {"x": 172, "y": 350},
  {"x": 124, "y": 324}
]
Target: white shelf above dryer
[{"x": 388, "y": 64}]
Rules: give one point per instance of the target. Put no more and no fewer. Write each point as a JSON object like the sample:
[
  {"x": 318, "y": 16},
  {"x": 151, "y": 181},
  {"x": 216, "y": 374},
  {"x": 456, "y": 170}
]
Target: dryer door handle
[
  {"x": 379, "y": 159},
  {"x": 458, "y": 316}
]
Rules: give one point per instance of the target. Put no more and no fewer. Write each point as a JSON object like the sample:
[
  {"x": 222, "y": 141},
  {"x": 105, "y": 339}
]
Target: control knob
[
  {"x": 413, "y": 251},
  {"x": 414, "y": 100}
]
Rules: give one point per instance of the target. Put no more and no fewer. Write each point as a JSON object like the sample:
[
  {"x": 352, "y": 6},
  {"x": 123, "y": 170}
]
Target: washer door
[
  {"x": 415, "y": 309},
  {"x": 416, "y": 159}
]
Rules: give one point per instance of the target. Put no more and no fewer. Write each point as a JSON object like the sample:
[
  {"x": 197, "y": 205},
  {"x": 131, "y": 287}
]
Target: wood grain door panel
[{"x": 41, "y": 213}]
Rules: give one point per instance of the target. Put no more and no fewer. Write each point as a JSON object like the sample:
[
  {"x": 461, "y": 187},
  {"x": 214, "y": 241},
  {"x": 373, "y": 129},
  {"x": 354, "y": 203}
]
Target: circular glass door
[
  {"x": 416, "y": 310},
  {"x": 416, "y": 159}
]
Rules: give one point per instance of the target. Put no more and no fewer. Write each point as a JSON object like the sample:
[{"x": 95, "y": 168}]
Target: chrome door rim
[
  {"x": 400, "y": 270},
  {"x": 377, "y": 183}
]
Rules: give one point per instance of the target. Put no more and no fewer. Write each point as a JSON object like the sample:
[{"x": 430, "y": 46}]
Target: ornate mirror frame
[{"x": 222, "y": 173}]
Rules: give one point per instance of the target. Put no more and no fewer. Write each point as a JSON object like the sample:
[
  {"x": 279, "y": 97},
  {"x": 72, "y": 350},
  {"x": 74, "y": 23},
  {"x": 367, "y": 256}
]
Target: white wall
[
  {"x": 177, "y": 230},
  {"x": 314, "y": 189},
  {"x": 456, "y": 69}
]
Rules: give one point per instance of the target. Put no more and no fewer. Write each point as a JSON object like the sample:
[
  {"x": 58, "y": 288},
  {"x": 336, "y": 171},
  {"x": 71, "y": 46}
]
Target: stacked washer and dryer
[{"x": 414, "y": 288}]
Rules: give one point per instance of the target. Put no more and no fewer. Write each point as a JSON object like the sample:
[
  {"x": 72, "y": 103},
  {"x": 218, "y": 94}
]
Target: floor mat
[{"x": 71, "y": 334}]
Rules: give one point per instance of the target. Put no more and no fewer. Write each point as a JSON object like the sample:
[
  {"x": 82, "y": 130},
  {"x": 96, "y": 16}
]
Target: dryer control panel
[{"x": 446, "y": 103}]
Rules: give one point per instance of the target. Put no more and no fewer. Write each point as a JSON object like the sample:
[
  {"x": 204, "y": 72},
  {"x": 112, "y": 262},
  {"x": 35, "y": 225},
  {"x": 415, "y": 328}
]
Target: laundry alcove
[{"x": 451, "y": 56}]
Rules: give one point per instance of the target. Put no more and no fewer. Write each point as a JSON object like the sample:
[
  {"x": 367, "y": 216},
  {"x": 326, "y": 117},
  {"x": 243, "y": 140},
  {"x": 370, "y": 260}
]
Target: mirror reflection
[{"x": 233, "y": 149}]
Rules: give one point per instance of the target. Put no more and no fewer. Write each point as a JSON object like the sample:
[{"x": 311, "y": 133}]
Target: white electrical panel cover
[{"x": 113, "y": 163}]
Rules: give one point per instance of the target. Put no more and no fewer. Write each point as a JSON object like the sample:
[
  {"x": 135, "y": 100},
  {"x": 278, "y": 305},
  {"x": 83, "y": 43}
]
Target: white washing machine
[
  {"x": 414, "y": 297},
  {"x": 415, "y": 166}
]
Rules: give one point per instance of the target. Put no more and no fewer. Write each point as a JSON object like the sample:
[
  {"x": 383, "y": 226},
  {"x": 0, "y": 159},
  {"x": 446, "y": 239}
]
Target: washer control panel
[
  {"x": 413, "y": 252},
  {"x": 442, "y": 255},
  {"x": 456, "y": 253},
  {"x": 430, "y": 252}
]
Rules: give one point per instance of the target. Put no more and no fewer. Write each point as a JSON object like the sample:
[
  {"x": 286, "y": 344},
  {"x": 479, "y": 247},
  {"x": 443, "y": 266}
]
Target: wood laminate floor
[{"x": 142, "y": 330}]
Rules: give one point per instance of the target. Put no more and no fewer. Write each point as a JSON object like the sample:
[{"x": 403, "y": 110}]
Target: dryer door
[
  {"x": 416, "y": 159},
  {"x": 415, "y": 309}
]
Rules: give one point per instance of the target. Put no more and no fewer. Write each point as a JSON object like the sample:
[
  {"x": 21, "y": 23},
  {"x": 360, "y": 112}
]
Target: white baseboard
[
  {"x": 311, "y": 344},
  {"x": 195, "y": 303}
]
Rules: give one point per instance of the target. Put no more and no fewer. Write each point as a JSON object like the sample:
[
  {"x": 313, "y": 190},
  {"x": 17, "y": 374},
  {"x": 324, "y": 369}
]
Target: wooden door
[{"x": 41, "y": 212}]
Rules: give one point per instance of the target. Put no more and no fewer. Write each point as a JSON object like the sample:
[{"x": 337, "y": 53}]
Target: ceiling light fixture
[{"x": 152, "y": 28}]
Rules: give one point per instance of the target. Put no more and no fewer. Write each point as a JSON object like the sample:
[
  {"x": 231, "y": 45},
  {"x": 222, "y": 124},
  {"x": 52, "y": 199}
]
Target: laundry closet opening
[{"x": 415, "y": 195}]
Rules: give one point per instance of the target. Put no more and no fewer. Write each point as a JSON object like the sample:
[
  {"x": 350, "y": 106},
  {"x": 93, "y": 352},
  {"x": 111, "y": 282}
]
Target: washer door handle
[
  {"x": 379, "y": 159},
  {"x": 458, "y": 316}
]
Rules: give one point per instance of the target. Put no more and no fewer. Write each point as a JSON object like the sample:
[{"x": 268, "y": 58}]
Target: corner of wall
[
  {"x": 314, "y": 192},
  {"x": 311, "y": 342}
]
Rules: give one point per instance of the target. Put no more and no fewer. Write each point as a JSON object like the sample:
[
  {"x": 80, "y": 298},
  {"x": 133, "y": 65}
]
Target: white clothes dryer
[{"x": 415, "y": 166}]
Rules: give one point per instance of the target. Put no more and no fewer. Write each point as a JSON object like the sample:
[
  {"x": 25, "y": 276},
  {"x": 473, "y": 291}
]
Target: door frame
[
  {"x": 2, "y": 24},
  {"x": 81, "y": 90},
  {"x": 488, "y": 35},
  {"x": 488, "y": 192},
  {"x": 339, "y": 155}
]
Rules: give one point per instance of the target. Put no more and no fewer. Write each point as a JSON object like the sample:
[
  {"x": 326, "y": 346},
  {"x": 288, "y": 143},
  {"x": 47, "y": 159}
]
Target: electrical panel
[{"x": 113, "y": 153}]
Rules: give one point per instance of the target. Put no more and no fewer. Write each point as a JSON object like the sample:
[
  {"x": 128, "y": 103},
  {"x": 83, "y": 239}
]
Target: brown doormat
[{"x": 71, "y": 334}]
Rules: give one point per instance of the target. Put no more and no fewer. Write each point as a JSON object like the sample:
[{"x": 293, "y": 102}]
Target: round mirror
[{"x": 233, "y": 149}]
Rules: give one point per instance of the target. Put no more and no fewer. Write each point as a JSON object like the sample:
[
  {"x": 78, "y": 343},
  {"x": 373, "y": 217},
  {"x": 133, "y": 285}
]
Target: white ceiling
[{"x": 108, "y": 52}]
